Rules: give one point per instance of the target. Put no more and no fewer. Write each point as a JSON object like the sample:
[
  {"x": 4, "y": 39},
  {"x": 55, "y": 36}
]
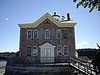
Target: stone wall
[{"x": 38, "y": 70}]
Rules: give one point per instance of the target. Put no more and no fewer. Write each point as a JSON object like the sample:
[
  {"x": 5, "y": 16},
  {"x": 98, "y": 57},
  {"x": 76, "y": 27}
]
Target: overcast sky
[{"x": 14, "y": 12}]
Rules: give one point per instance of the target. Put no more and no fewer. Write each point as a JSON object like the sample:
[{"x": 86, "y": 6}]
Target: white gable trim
[
  {"x": 47, "y": 45},
  {"x": 44, "y": 17},
  {"x": 48, "y": 16}
]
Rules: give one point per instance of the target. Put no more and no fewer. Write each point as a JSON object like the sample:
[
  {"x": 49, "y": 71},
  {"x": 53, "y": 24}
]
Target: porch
[
  {"x": 71, "y": 65},
  {"x": 36, "y": 60}
]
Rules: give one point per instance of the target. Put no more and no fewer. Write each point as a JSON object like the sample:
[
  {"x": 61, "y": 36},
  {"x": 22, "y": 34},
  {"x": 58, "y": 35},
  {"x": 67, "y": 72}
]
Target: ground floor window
[
  {"x": 35, "y": 51},
  {"x": 62, "y": 50},
  {"x": 59, "y": 50},
  {"x": 65, "y": 50},
  {"x": 29, "y": 51}
]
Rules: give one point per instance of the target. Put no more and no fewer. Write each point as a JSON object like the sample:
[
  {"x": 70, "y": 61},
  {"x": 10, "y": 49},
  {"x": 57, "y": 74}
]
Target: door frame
[{"x": 43, "y": 56}]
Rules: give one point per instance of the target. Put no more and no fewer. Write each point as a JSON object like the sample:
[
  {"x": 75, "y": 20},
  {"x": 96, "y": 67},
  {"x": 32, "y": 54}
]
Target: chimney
[{"x": 68, "y": 16}]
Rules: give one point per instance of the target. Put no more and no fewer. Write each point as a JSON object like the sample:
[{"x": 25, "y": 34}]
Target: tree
[
  {"x": 91, "y": 4},
  {"x": 96, "y": 60}
]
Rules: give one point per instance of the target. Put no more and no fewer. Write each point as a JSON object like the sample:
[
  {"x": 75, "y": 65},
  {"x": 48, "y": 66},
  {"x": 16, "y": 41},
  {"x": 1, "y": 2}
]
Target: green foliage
[
  {"x": 93, "y": 54},
  {"x": 89, "y": 52},
  {"x": 5, "y": 55},
  {"x": 91, "y": 4},
  {"x": 96, "y": 60},
  {"x": 3, "y": 58}
]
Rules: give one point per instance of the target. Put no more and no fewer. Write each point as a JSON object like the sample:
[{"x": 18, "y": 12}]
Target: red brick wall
[{"x": 24, "y": 42}]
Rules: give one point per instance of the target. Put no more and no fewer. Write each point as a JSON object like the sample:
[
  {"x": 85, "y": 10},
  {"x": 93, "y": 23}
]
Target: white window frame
[
  {"x": 33, "y": 34},
  {"x": 59, "y": 51},
  {"x": 45, "y": 34},
  {"x": 33, "y": 52},
  {"x": 64, "y": 50},
  {"x": 57, "y": 34},
  {"x": 28, "y": 34}
]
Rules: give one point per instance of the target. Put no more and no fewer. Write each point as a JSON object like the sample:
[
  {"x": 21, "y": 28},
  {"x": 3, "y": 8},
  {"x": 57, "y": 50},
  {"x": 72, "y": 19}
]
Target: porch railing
[
  {"x": 78, "y": 64},
  {"x": 46, "y": 59},
  {"x": 36, "y": 60}
]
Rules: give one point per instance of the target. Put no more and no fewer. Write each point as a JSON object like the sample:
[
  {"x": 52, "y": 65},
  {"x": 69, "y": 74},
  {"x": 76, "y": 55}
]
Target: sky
[{"x": 14, "y": 12}]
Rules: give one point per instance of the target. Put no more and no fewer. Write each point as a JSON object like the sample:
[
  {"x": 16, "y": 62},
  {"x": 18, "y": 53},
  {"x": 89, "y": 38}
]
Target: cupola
[{"x": 57, "y": 17}]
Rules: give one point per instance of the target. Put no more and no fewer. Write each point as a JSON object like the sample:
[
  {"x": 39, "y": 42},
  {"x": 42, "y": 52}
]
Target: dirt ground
[{"x": 2, "y": 69}]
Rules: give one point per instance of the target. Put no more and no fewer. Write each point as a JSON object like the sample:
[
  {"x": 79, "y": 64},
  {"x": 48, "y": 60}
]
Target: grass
[{"x": 2, "y": 69}]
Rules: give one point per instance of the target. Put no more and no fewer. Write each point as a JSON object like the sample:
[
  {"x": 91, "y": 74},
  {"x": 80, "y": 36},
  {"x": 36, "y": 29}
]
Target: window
[
  {"x": 59, "y": 50},
  {"x": 58, "y": 34},
  {"x": 65, "y": 50},
  {"x": 35, "y": 34},
  {"x": 29, "y": 34},
  {"x": 47, "y": 34},
  {"x": 29, "y": 51},
  {"x": 65, "y": 34},
  {"x": 35, "y": 51}
]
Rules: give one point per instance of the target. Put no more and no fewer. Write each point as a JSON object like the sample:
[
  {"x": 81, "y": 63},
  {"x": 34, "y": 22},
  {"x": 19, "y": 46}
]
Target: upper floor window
[
  {"x": 29, "y": 34},
  {"x": 59, "y": 50},
  {"x": 35, "y": 34},
  {"x": 35, "y": 51},
  {"x": 65, "y": 50},
  {"x": 65, "y": 34},
  {"x": 47, "y": 34},
  {"x": 29, "y": 51},
  {"x": 58, "y": 34}
]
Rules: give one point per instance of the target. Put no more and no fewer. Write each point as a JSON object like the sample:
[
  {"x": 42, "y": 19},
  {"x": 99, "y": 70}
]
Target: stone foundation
[{"x": 39, "y": 70}]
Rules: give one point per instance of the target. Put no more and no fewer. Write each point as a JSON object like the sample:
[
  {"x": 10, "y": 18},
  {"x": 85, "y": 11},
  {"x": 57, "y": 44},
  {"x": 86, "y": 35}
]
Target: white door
[{"x": 47, "y": 53}]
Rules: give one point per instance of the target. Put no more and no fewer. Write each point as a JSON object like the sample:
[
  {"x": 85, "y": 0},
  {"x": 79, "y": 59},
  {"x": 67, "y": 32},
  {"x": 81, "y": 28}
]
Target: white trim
[
  {"x": 47, "y": 53},
  {"x": 57, "y": 33},
  {"x": 36, "y": 51},
  {"x": 27, "y": 34},
  {"x": 60, "y": 50},
  {"x": 48, "y": 16},
  {"x": 67, "y": 50},
  {"x": 44, "y": 53},
  {"x": 37, "y": 34},
  {"x": 47, "y": 45},
  {"x": 45, "y": 33}
]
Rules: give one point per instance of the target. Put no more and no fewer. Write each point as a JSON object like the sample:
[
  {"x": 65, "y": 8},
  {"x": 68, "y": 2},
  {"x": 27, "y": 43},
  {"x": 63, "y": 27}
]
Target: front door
[{"x": 47, "y": 53}]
